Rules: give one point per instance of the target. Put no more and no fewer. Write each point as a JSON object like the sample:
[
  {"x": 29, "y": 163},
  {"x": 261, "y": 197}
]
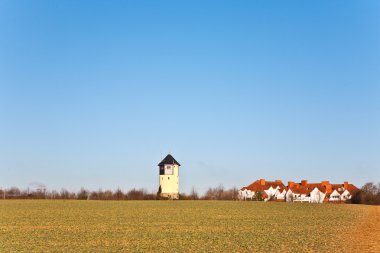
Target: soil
[{"x": 366, "y": 236}]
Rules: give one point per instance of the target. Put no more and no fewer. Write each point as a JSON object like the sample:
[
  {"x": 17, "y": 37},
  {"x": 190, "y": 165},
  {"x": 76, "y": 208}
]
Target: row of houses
[{"x": 298, "y": 192}]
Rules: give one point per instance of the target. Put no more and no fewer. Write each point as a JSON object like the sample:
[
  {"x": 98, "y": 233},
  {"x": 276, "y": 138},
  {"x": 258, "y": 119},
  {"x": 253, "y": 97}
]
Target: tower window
[{"x": 169, "y": 170}]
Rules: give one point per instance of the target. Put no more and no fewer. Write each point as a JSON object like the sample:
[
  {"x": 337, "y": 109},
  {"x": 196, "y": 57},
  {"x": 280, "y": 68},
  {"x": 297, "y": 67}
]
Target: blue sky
[{"x": 95, "y": 93}]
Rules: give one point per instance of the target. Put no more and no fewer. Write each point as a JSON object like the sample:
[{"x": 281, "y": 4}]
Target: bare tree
[
  {"x": 118, "y": 195},
  {"x": 193, "y": 194},
  {"x": 369, "y": 194},
  {"x": 83, "y": 194}
]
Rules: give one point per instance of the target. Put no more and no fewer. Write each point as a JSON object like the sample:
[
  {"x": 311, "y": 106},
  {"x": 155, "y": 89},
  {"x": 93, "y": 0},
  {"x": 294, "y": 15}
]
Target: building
[
  {"x": 169, "y": 178},
  {"x": 298, "y": 192},
  {"x": 268, "y": 189}
]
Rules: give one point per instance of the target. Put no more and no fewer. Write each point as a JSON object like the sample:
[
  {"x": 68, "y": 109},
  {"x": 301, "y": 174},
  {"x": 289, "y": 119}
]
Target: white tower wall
[{"x": 169, "y": 182}]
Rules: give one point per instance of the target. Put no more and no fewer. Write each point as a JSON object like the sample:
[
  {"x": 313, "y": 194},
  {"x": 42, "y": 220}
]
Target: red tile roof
[
  {"x": 352, "y": 188},
  {"x": 260, "y": 185},
  {"x": 301, "y": 190}
]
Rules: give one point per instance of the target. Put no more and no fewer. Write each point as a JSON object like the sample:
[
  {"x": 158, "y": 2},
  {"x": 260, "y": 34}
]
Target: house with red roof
[
  {"x": 298, "y": 192},
  {"x": 268, "y": 189},
  {"x": 341, "y": 192}
]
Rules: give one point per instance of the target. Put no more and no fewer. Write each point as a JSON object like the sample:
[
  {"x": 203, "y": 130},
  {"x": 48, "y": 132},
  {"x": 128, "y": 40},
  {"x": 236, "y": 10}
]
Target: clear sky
[{"x": 96, "y": 93}]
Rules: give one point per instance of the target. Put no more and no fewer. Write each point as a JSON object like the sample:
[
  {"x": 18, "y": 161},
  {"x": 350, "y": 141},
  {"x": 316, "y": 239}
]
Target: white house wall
[
  {"x": 246, "y": 194},
  {"x": 334, "y": 196},
  {"x": 289, "y": 196},
  {"x": 271, "y": 192},
  {"x": 316, "y": 196},
  {"x": 345, "y": 195}
]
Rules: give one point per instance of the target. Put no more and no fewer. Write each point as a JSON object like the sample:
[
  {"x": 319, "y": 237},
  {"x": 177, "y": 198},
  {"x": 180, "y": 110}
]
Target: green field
[{"x": 175, "y": 226}]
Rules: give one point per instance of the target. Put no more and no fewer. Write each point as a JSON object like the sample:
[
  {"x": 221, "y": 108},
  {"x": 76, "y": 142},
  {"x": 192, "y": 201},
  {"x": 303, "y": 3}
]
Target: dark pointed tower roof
[{"x": 169, "y": 159}]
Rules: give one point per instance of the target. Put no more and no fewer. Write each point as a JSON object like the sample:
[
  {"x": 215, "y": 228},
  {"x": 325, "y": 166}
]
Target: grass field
[{"x": 183, "y": 226}]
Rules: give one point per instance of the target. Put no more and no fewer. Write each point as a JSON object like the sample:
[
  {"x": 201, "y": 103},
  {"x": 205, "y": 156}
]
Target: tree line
[
  {"x": 216, "y": 193},
  {"x": 369, "y": 194}
]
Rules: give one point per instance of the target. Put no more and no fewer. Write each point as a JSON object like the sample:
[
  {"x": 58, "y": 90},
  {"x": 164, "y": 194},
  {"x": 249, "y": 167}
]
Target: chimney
[
  {"x": 262, "y": 181},
  {"x": 325, "y": 183},
  {"x": 304, "y": 182},
  {"x": 329, "y": 188},
  {"x": 290, "y": 184},
  {"x": 278, "y": 181},
  {"x": 345, "y": 185}
]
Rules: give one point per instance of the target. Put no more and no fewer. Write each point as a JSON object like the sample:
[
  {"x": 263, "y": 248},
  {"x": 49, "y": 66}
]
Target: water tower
[{"x": 169, "y": 178}]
